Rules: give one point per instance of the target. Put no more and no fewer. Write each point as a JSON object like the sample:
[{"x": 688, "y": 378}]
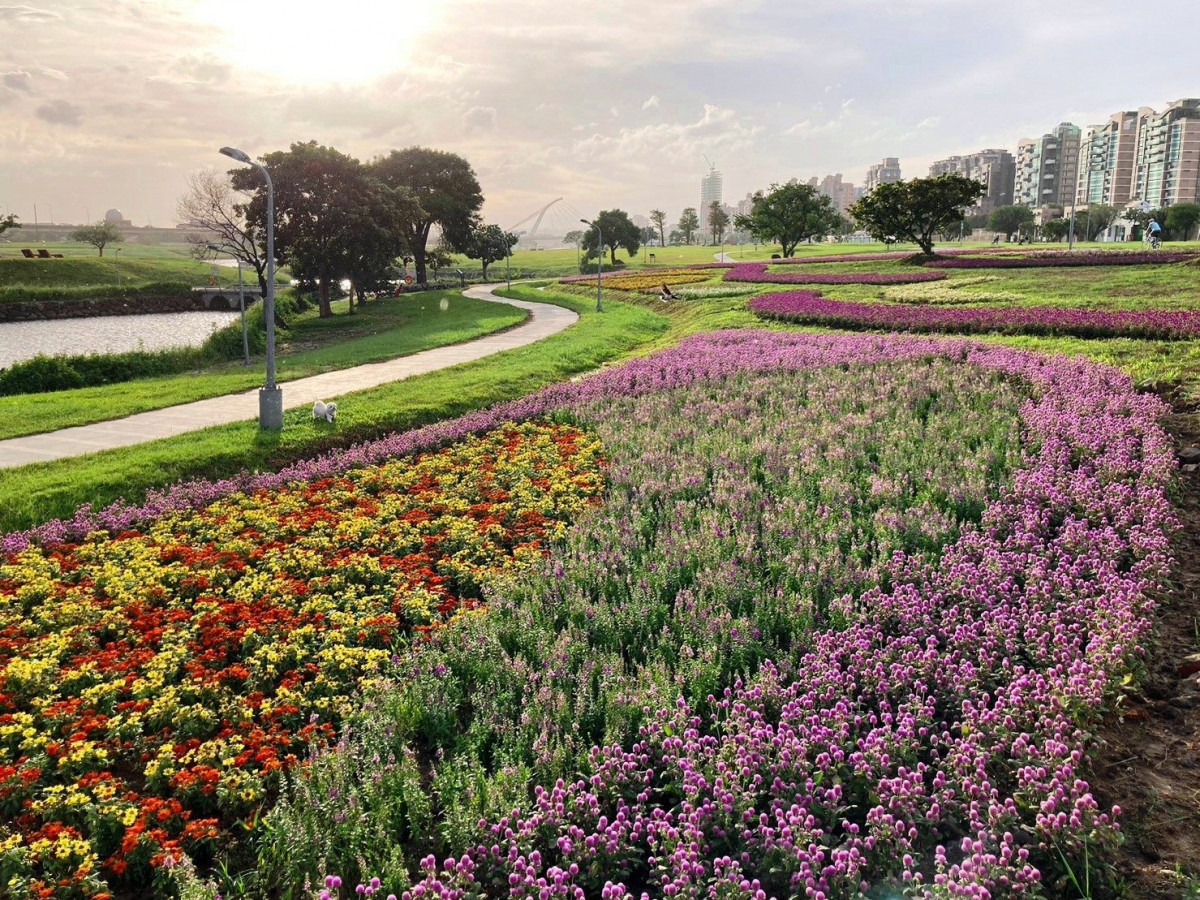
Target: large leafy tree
[
  {"x": 1096, "y": 219},
  {"x": 488, "y": 244},
  {"x": 212, "y": 203},
  {"x": 9, "y": 221},
  {"x": 788, "y": 214},
  {"x": 659, "y": 218},
  {"x": 1008, "y": 220},
  {"x": 332, "y": 221},
  {"x": 98, "y": 234},
  {"x": 617, "y": 231},
  {"x": 1182, "y": 218},
  {"x": 718, "y": 221},
  {"x": 689, "y": 224},
  {"x": 447, "y": 195},
  {"x": 917, "y": 209}
]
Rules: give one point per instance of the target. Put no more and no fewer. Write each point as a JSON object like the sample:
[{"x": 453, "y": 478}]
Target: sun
[{"x": 309, "y": 42}]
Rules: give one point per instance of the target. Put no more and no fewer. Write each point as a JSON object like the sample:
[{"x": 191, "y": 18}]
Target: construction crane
[{"x": 709, "y": 161}]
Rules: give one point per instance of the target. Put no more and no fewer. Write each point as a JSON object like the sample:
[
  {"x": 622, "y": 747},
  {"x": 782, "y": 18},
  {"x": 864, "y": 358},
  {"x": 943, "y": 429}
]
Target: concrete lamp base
[{"x": 270, "y": 409}]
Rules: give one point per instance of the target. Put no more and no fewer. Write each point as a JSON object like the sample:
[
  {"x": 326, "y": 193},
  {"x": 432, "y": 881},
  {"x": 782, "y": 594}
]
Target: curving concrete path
[{"x": 544, "y": 320}]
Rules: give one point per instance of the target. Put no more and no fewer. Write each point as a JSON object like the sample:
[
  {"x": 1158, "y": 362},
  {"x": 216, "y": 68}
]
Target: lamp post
[
  {"x": 241, "y": 307},
  {"x": 118, "y": 264},
  {"x": 270, "y": 397},
  {"x": 599, "y": 259}
]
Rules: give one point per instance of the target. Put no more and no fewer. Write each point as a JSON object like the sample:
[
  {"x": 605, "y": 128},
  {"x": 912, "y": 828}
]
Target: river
[{"x": 107, "y": 334}]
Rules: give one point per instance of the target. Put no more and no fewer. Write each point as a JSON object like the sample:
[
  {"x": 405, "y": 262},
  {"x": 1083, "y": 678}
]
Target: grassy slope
[
  {"x": 49, "y": 490},
  {"x": 381, "y": 330}
]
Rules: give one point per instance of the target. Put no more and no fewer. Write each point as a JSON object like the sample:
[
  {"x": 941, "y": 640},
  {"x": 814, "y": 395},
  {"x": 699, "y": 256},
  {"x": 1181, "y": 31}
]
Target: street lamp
[
  {"x": 241, "y": 306},
  {"x": 599, "y": 259},
  {"x": 118, "y": 263},
  {"x": 270, "y": 397}
]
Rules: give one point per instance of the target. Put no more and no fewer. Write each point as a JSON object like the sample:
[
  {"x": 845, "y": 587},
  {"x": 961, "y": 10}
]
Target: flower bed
[
  {"x": 949, "y": 293},
  {"x": 1059, "y": 259},
  {"x": 757, "y": 272},
  {"x": 155, "y": 683},
  {"x": 843, "y": 626},
  {"x": 652, "y": 283},
  {"x": 619, "y": 273},
  {"x": 809, "y": 307}
]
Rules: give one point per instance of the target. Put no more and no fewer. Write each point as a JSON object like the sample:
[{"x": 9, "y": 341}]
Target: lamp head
[
  {"x": 585, "y": 221},
  {"x": 212, "y": 247},
  {"x": 234, "y": 153}
]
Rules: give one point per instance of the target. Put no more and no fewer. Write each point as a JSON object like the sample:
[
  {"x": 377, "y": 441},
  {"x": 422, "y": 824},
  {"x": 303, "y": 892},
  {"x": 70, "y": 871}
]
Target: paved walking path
[{"x": 545, "y": 319}]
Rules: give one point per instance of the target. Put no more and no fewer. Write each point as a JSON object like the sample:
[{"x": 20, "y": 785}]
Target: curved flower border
[{"x": 757, "y": 272}]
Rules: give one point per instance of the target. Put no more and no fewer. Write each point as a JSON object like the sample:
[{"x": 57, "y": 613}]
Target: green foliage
[
  {"x": 1008, "y": 220},
  {"x": 616, "y": 231},
  {"x": 689, "y": 224},
  {"x": 154, "y": 289},
  {"x": 659, "y": 219},
  {"x": 488, "y": 244},
  {"x": 1095, "y": 219},
  {"x": 916, "y": 209},
  {"x": 99, "y": 235},
  {"x": 445, "y": 192},
  {"x": 9, "y": 221},
  {"x": 789, "y": 214},
  {"x": 1057, "y": 229},
  {"x": 718, "y": 221},
  {"x": 1181, "y": 219}
]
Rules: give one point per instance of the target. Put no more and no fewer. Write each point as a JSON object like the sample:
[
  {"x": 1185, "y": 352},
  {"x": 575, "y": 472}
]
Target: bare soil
[{"x": 1149, "y": 747}]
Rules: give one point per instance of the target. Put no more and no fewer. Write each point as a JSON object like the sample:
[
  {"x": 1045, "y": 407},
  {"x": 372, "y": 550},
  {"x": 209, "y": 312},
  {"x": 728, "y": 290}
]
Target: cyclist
[{"x": 1154, "y": 233}]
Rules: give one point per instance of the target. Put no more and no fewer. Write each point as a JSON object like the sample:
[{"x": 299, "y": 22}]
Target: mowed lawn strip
[
  {"x": 46, "y": 491},
  {"x": 382, "y": 330}
]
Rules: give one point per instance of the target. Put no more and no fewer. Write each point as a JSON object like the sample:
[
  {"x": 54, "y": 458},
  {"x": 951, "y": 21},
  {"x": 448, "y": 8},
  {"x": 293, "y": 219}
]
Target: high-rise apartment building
[
  {"x": 1047, "y": 168},
  {"x": 711, "y": 188},
  {"x": 842, "y": 193},
  {"x": 884, "y": 172},
  {"x": 1107, "y": 156},
  {"x": 995, "y": 169},
  {"x": 1167, "y": 164}
]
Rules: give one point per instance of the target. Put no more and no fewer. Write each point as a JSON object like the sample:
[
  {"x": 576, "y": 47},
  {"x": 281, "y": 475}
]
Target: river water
[{"x": 108, "y": 334}]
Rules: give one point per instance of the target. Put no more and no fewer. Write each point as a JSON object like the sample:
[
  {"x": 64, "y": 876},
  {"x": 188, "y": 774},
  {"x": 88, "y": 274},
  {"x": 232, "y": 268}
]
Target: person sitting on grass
[{"x": 666, "y": 294}]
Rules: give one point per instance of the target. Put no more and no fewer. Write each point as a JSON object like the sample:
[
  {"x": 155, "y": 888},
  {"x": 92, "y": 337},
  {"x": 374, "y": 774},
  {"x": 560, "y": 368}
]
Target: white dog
[{"x": 326, "y": 411}]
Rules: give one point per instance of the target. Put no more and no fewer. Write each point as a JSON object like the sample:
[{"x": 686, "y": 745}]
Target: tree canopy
[
  {"x": 212, "y": 203},
  {"x": 98, "y": 234},
  {"x": 1095, "y": 220},
  {"x": 689, "y": 224},
  {"x": 617, "y": 231},
  {"x": 718, "y": 221},
  {"x": 788, "y": 214},
  {"x": 9, "y": 221},
  {"x": 1008, "y": 220},
  {"x": 659, "y": 219},
  {"x": 446, "y": 194},
  {"x": 489, "y": 243},
  {"x": 1182, "y": 218},
  {"x": 917, "y": 209}
]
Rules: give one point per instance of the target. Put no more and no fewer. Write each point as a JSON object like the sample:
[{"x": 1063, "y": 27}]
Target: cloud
[
  {"x": 60, "y": 112},
  {"x": 651, "y": 103},
  {"x": 206, "y": 69},
  {"x": 931, "y": 122},
  {"x": 19, "y": 80},
  {"x": 846, "y": 105},
  {"x": 480, "y": 118},
  {"x": 27, "y": 14}
]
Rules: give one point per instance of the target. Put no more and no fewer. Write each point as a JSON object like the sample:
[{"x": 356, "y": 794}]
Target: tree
[
  {"x": 332, "y": 221},
  {"x": 1008, "y": 220},
  {"x": 649, "y": 236},
  {"x": 9, "y": 221},
  {"x": 689, "y": 224},
  {"x": 1181, "y": 219},
  {"x": 788, "y": 214},
  {"x": 1057, "y": 229},
  {"x": 676, "y": 237},
  {"x": 99, "y": 235},
  {"x": 617, "y": 230},
  {"x": 917, "y": 209},
  {"x": 573, "y": 237},
  {"x": 446, "y": 191},
  {"x": 489, "y": 243},
  {"x": 659, "y": 218},
  {"x": 1096, "y": 220},
  {"x": 212, "y": 203},
  {"x": 718, "y": 221}
]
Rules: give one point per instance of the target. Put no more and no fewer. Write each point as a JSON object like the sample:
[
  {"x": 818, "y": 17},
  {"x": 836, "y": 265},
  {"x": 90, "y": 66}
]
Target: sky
[{"x": 608, "y": 105}]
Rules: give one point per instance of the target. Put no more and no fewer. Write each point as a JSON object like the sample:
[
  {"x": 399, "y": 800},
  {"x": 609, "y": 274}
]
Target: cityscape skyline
[{"x": 119, "y": 123}]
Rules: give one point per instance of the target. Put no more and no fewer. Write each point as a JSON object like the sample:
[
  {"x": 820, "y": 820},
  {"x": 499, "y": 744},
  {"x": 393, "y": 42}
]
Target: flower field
[
  {"x": 810, "y": 307},
  {"x": 155, "y": 683},
  {"x": 758, "y": 272},
  {"x": 1060, "y": 259},
  {"x": 947, "y": 293}
]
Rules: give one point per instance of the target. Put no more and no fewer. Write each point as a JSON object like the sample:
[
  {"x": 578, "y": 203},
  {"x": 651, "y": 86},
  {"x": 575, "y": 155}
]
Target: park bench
[
  {"x": 28, "y": 254},
  {"x": 46, "y": 254}
]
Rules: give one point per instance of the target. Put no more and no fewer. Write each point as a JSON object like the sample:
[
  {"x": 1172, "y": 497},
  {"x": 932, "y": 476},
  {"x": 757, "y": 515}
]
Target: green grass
[
  {"x": 45, "y": 491},
  {"x": 381, "y": 330}
]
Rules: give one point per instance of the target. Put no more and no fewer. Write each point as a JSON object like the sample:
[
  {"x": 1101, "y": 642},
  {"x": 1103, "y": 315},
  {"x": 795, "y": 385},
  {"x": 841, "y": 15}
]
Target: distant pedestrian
[
  {"x": 995, "y": 239},
  {"x": 1154, "y": 232}
]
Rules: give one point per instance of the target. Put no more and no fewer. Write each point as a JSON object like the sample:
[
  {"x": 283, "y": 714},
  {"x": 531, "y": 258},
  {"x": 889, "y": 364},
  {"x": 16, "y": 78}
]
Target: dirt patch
[{"x": 1149, "y": 757}]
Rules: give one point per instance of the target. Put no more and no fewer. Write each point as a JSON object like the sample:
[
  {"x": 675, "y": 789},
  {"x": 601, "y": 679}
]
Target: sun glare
[{"x": 307, "y": 42}]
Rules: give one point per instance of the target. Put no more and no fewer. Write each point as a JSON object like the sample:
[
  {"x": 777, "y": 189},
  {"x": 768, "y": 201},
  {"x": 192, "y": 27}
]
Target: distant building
[
  {"x": 745, "y": 205},
  {"x": 640, "y": 221},
  {"x": 1107, "y": 158},
  {"x": 116, "y": 217},
  {"x": 1167, "y": 164},
  {"x": 995, "y": 169},
  {"x": 841, "y": 193},
  {"x": 711, "y": 189},
  {"x": 885, "y": 172},
  {"x": 1047, "y": 168}
]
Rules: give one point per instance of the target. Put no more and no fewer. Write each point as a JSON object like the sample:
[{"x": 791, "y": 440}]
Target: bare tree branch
[{"x": 212, "y": 203}]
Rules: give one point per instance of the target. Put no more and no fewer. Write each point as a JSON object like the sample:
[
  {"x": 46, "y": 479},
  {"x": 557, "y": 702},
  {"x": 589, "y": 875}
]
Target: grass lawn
[
  {"x": 383, "y": 329},
  {"x": 50, "y": 490}
]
